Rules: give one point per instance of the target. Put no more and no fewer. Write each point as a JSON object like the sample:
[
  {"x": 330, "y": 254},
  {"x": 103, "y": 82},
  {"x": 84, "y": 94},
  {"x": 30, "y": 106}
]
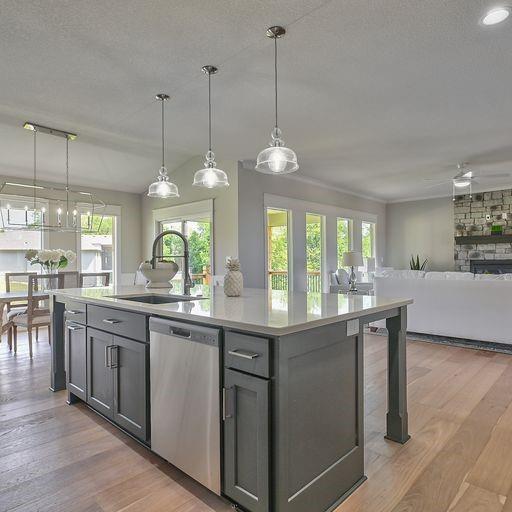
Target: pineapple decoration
[{"x": 233, "y": 280}]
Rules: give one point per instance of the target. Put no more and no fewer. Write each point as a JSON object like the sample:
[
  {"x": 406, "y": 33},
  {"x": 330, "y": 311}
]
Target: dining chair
[
  {"x": 86, "y": 278},
  {"x": 13, "y": 282},
  {"x": 36, "y": 316}
]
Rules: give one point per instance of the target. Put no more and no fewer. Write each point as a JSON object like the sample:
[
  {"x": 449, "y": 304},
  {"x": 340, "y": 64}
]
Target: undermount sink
[{"x": 155, "y": 299}]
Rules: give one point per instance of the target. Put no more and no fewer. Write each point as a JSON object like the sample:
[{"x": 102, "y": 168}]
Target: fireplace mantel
[{"x": 483, "y": 239}]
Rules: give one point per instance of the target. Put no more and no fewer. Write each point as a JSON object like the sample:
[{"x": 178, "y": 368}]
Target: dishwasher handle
[
  {"x": 180, "y": 332},
  {"x": 191, "y": 332}
]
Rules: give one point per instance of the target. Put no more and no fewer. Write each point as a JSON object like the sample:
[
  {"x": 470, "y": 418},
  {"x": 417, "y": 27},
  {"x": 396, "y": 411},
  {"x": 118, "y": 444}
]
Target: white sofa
[{"x": 455, "y": 304}]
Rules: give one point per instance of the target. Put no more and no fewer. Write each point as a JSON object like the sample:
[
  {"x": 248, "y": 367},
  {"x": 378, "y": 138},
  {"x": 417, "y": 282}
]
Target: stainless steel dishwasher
[{"x": 185, "y": 396}]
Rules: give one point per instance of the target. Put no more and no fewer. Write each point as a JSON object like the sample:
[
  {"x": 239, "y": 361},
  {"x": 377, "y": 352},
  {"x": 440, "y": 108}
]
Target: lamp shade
[{"x": 352, "y": 259}]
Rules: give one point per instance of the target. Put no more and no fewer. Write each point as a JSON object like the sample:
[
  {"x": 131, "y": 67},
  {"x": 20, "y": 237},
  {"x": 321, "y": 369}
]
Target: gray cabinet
[
  {"x": 76, "y": 350},
  {"x": 130, "y": 370},
  {"x": 246, "y": 440},
  {"x": 117, "y": 370},
  {"x": 99, "y": 374}
]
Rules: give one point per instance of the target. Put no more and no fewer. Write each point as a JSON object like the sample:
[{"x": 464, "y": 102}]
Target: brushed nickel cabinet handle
[
  {"x": 107, "y": 363},
  {"x": 111, "y": 321},
  {"x": 74, "y": 327},
  {"x": 114, "y": 351},
  {"x": 244, "y": 354},
  {"x": 225, "y": 414},
  {"x": 73, "y": 312}
]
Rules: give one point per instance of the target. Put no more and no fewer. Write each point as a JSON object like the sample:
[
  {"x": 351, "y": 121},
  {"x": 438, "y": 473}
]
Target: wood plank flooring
[{"x": 66, "y": 458}]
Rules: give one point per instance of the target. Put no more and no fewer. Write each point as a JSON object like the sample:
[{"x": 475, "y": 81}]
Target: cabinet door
[
  {"x": 99, "y": 373},
  {"x": 129, "y": 366},
  {"x": 246, "y": 440},
  {"x": 76, "y": 364}
]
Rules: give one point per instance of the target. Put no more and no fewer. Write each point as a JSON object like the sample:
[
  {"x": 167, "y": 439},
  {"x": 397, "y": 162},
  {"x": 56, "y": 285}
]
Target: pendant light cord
[
  {"x": 163, "y": 134},
  {"x": 67, "y": 179},
  {"x": 34, "y": 177},
  {"x": 209, "y": 112},
  {"x": 275, "y": 73}
]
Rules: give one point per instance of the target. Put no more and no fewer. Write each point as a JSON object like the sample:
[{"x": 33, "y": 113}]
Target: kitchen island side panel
[{"x": 318, "y": 417}]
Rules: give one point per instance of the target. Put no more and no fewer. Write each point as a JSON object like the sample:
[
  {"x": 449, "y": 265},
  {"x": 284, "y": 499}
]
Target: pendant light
[
  {"x": 163, "y": 188},
  {"x": 210, "y": 176},
  {"x": 276, "y": 159}
]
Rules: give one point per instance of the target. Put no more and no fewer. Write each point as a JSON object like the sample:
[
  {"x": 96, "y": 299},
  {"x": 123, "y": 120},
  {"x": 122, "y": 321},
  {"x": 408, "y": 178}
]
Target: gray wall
[
  {"x": 225, "y": 205},
  {"x": 251, "y": 219},
  {"x": 420, "y": 227}
]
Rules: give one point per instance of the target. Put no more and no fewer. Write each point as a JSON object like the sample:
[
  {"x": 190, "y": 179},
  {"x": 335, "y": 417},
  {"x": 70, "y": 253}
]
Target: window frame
[
  {"x": 184, "y": 212},
  {"x": 108, "y": 211},
  {"x": 289, "y": 255}
]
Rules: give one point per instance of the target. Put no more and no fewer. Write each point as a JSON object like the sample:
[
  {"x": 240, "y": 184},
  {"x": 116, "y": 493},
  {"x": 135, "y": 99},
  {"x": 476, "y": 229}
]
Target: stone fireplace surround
[{"x": 473, "y": 219}]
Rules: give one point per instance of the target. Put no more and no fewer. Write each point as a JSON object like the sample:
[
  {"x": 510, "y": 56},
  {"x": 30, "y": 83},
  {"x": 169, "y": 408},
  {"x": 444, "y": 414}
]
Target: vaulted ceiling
[{"x": 375, "y": 96}]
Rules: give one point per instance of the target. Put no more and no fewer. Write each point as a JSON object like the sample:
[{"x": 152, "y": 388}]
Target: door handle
[
  {"x": 244, "y": 354},
  {"x": 228, "y": 412},
  {"x": 114, "y": 356},
  {"x": 111, "y": 321},
  {"x": 74, "y": 327},
  {"x": 107, "y": 358}
]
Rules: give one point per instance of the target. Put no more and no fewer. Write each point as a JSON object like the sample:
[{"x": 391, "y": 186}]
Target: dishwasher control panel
[{"x": 185, "y": 332}]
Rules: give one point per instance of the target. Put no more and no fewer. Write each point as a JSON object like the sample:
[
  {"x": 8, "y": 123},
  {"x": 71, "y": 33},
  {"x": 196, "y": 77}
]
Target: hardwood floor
[{"x": 65, "y": 458}]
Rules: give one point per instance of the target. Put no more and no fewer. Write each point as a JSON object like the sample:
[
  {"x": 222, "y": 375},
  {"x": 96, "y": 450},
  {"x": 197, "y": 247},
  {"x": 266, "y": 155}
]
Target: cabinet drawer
[
  {"x": 250, "y": 354},
  {"x": 116, "y": 321},
  {"x": 75, "y": 311}
]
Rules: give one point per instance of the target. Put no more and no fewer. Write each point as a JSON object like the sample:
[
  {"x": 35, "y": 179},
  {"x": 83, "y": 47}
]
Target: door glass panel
[
  {"x": 97, "y": 251},
  {"x": 14, "y": 245},
  {"x": 368, "y": 239},
  {"x": 343, "y": 241},
  {"x": 314, "y": 252},
  {"x": 198, "y": 233},
  {"x": 277, "y": 246}
]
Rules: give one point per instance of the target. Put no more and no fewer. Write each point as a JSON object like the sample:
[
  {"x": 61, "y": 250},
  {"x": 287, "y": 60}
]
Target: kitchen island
[{"x": 285, "y": 425}]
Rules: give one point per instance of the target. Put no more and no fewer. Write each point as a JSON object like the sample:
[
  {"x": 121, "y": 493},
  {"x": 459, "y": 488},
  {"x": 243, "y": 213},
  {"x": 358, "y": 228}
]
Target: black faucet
[{"x": 187, "y": 280}]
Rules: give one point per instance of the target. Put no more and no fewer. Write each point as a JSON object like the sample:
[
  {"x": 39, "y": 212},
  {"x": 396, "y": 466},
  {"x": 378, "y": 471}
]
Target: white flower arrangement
[{"x": 50, "y": 259}]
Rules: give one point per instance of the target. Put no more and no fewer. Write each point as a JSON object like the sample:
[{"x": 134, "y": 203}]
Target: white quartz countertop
[{"x": 257, "y": 310}]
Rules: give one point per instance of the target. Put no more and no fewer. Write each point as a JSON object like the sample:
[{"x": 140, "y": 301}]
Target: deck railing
[{"x": 279, "y": 280}]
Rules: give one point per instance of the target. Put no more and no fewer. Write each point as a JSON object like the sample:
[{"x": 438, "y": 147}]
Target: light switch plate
[{"x": 352, "y": 327}]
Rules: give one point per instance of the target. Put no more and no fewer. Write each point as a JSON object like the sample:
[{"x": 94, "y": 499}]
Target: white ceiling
[{"x": 374, "y": 95}]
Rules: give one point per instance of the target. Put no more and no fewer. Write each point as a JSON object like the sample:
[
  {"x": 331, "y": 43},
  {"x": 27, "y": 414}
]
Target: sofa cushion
[
  {"x": 403, "y": 274},
  {"x": 450, "y": 276},
  {"x": 490, "y": 277}
]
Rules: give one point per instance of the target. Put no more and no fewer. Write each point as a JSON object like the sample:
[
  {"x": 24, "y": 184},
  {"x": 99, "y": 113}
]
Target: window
[
  {"x": 277, "y": 249},
  {"x": 98, "y": 250},
  {"x": 314, "y": 251},
  {"x": 198, "y": 231},
  {"x": 14, "y": 244},
  {"x": 343, "y": 238},
  {"x": 368, "y": 239}
]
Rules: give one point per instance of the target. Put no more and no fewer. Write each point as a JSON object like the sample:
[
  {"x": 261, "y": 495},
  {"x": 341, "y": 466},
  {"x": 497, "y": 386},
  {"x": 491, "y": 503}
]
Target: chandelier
[{"x": 36, "y": 206}]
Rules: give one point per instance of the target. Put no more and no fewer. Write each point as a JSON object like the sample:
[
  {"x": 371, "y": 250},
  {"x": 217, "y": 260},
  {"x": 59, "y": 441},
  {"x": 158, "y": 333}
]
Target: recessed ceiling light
[{"x": 495, "y": 16}]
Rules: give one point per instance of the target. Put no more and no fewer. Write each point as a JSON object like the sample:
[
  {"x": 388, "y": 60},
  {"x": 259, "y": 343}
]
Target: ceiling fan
[{"x": 466, "y": 178}]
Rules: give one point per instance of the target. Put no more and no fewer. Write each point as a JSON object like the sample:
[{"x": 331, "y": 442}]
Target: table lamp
[{"x": 352, "y": 259}]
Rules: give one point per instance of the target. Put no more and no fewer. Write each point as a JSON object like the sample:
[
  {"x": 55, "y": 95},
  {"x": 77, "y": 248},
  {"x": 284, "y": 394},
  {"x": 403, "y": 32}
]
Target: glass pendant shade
[
  {"x": 163, "y": 188},
  {"x": 210, "y": 176},
  {"x": 277, "y": 159}
]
